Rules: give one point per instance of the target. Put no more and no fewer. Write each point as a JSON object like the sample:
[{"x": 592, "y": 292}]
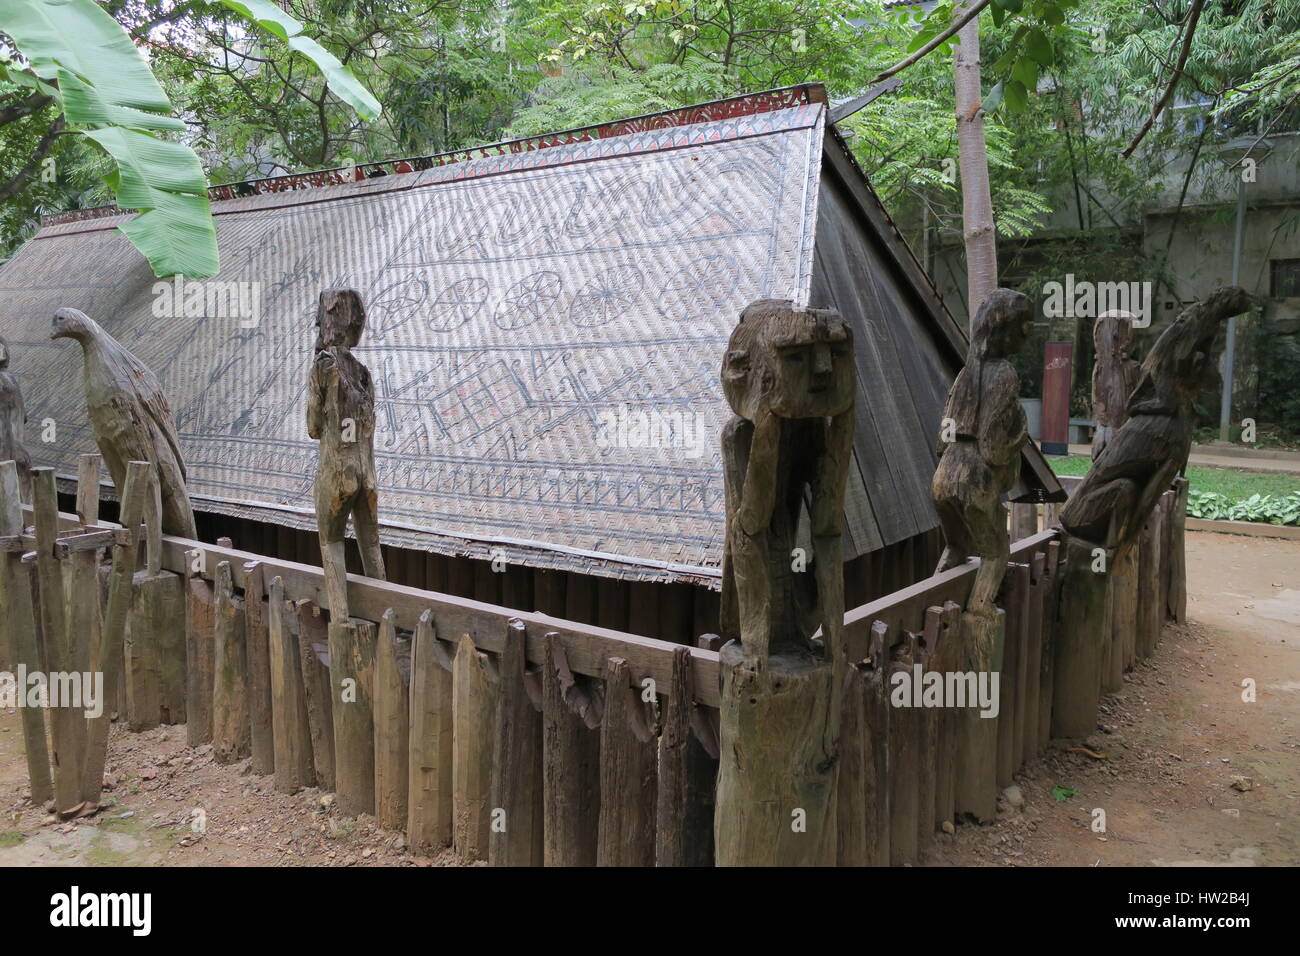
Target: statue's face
[
  {"x": 812, "y": 370},
  {"x": 795, "y": 364},
  {"x": 339, "y": 319}
]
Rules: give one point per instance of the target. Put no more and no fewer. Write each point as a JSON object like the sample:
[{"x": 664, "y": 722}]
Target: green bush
[{"x": 1273, "y": 509}]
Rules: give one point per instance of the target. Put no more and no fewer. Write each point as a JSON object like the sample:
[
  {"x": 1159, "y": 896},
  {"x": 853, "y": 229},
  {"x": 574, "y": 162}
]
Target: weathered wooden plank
[
  {"x": 352, "y": 664},
  {"x": 428, "y": 824},
  {"x": 1177, "y": 554},
  {"x": 904, "y": 731},
  {"x": 628, "y": 775},
  {"x": 257, "y": 649},
  {"x": 976, "y": 788},
  {"x": 877, "y": 744},
  {"x": 687, "y": 778},
  {"x": 516, "y": 800},
  {"x": 950, "y": 720},
  {"x": 19, "y": 633},
  {"x": 1047, "y": 668},
  {"x": 927, "y": 741},
  {"x": 200, "y": 637},
  {"x": 290, "y": 730},
  {"x": 851, "y": 809},
  {"x": 313, "y": 642},
  {"x": 472, "y": 741},
  {"x": 1151, "y": 609},
  {"x": 570, "y": 768},
  {"x": 67, "y": 722},
  {"x": 1123, "y": 620},
  {"x": 1015, "y": 603},
  {"x": 392, "y": 727},
  {"x": 230, "y": 730},
  {"x": 1033, "y": 657},
  {"x": 1082, "y": 628},
  {"x": 154, "y": 651}
]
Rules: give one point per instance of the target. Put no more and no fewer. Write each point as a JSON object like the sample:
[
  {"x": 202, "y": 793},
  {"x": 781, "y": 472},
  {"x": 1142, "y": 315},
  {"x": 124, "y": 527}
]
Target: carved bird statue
[
  {"x": 1116, "y": 497},
  {"x": 129, "y": 416}
]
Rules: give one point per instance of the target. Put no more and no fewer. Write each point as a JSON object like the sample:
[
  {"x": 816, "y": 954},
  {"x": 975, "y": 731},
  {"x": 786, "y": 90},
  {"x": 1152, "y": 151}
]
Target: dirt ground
[{"x": 1174, "y": 740}]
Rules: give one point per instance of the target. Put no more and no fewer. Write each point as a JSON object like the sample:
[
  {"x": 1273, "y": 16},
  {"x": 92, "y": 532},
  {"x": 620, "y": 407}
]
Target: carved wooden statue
[
  {"x": 1112, "y": 503},
  {"x": 788, "y": 375},
  {"x": 980, "y": 437},
  {"x": 130, "y": 417},
  {"x": 13, "y": 418},
  {"x": 1114, "y": 374},
  {"x": 1108, "y": 509},
  {"x": 341, "y": 416}
]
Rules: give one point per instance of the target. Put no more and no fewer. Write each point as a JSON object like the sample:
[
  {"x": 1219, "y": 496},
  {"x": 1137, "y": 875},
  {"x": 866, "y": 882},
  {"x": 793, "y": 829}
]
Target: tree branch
[
  {"x": 956, "y": 25},
  {"x": 1193, "y": 18}
]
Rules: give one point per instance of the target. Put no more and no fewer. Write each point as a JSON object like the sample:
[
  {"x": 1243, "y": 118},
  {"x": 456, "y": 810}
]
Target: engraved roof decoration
[{"x": 546, "y": 321}]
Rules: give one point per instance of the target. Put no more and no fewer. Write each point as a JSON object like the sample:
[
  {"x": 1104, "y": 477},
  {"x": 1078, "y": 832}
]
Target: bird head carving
[{"x": 72, "y": 324}]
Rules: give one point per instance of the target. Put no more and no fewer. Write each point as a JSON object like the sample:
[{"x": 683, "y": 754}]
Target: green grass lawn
[{"x": 1224, "y": 481}]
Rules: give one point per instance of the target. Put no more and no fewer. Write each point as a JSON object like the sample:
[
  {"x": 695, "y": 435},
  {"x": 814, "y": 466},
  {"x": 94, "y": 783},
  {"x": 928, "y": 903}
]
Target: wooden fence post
[
  {"x": 472, "y": 740},
  {"x": 1177, "y": 554},
  {"x": 20, "y": 619},
  {"x": 313, "y": 645},
  {"x": 428, "y": 824},
  {"x": 120, "y": 586},
  {"x": 352, "y": 662},
  {"x": 516, "y": 838},
  {"x": 1033, "y": 656},
  {"x": 570, "y": 768},
  {"x": 200, "y": 637},
  {"x": 950, "y": 720},
  {"x": 904, "y": 733},
  {"x": 258, "y": 650},
  {"x": 976, "y": 788},
  {"x": 687, "y": 777},
  {"x": 1151, "y": 608},
  {"x": 1010, "y": 706},
  {"x": 67, "y": 723},
  {"x": 628, "y": 774},
  {"x": 230, "y": 730},
  {"x": 1082, "y": 627},
  {"x": 87, "y": 616},
  {"x": 290, "y": 731},
  {"x": 392, "y": 728}
]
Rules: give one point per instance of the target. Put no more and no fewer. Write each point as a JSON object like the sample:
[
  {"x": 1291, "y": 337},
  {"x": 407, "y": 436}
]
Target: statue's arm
[
  {"x": 318, "y": 381},
  {"x": 758, "y": 494}
]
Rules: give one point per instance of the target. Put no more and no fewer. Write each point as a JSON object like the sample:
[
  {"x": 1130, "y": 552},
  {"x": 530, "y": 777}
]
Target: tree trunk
[{"x": 976, "y": 200}]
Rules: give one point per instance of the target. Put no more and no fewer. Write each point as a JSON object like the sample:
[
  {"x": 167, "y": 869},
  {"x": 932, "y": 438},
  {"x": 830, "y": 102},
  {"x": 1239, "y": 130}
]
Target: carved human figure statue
[
  {"x": 341, "y": 416},
  {"x": 1114, "y": 374},
  {"x": 788, "y": 376},
  {"x": 1114, "y": 500},
  {"x": 981, "y": 435},
  {"x": 13, "y": 418},
  {"x": 130, "y": 417}
]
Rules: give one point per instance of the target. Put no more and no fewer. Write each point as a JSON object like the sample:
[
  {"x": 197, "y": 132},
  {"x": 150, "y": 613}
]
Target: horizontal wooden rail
[
  {"x": 905, "y": 610},
  {"x": 586, "y": 646}
]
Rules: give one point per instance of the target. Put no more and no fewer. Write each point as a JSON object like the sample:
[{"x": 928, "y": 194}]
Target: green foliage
[
  {"x": 1061, "y": 794},
  {"x": 1264, "y": 508}
]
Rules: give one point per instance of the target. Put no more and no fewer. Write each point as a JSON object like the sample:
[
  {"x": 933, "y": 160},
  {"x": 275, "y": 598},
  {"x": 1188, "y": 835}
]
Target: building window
[{"x": 1284, "y": 278}]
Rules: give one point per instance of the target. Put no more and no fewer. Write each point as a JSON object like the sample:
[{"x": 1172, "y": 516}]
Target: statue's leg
[
  {"x": 956, "y": 536},
  {"x": 331, "y": 522},
  {"x": 365, "y": 519},
  {"x": 989, "y": 529}
]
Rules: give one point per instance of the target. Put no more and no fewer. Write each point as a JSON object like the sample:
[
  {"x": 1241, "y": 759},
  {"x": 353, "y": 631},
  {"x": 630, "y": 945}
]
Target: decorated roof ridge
[{"x": 746, "y": 104}]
